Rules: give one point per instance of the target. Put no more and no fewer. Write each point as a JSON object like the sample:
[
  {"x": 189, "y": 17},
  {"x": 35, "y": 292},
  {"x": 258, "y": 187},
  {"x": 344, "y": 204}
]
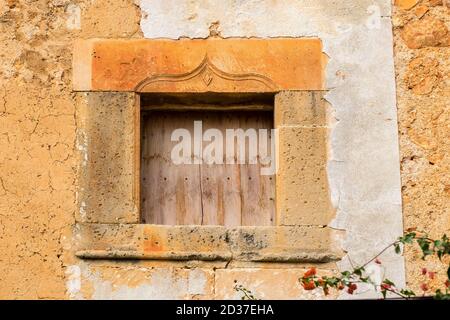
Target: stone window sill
[{"x": 208, "y": 243}]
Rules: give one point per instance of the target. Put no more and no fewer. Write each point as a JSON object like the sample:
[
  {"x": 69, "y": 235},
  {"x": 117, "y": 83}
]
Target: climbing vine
[{"x": 349, "y": 280}]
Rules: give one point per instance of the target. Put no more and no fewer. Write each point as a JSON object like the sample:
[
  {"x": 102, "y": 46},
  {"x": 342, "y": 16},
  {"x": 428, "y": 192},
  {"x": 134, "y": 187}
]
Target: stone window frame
[{"x": 108, "y": 101}]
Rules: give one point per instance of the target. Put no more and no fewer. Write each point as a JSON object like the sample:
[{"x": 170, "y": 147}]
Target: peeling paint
[
  {"x": 73, "y": 283},
  {"x": 42, "y": 145},
  {"x": 363, "y": 170}
]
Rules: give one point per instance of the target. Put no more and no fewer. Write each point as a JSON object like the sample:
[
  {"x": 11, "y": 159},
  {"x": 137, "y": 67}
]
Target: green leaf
[
  {"x": 407, "y": 293},
  {"x": 364, "y": 279},
  {"x": 410, "y": 237},
  {"x": 439, "y": 295},
  {"x": 346, "y": 273},
  {"x": 358, "y": 271},
  {"x": 397, "y": 249},
  {"x": 332, "y": 282}
]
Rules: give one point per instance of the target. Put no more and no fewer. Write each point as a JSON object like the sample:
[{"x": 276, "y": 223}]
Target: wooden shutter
[{"x": 202, "y": 194}]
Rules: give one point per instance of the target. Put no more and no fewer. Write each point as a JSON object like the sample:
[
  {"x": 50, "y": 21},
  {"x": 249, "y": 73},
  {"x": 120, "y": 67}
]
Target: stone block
[
  {"x": 426, "y": 32},
  {"x": 135, "y": 282},
  {"x": 406, "y": 4},
  {"x": 106, "y": 141},
  {"x": 206, "y": 243},
  {"x": 306, "y": 108},
  {"x": 274, "y": 284},
  {"x": 212, "y": 65},
  {"x": 284, "y": 244},
  {"x": 154, "y": 242},
  {"x": 302, "y": 190}
]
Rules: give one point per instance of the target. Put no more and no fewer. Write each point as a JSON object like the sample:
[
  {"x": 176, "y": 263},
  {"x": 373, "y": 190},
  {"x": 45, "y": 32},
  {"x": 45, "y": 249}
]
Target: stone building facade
[{"x": 359, "y": 93}]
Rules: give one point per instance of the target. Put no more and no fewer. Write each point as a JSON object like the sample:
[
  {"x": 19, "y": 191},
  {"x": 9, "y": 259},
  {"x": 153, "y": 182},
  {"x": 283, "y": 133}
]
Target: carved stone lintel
[
  {"x": 206, "y": 78},
  {"x": 198, "y": 65}
]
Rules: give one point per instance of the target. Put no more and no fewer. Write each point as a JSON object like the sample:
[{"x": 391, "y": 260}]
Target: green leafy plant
[
  {"x": 246, "y": 294},
  {"x": 349, "y": 280}
]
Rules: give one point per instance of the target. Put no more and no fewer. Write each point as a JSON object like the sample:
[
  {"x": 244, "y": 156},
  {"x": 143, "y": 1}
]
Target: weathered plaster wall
[
  {"x": 37, "y": 135},
  {"x": 357, "y": 36},
  {"x": 38, "y": 127},
  {"x": 422, "y": 58}
]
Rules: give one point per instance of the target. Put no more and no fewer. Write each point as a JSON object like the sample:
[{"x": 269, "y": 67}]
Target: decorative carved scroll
[{"x": 207, "y": 78}]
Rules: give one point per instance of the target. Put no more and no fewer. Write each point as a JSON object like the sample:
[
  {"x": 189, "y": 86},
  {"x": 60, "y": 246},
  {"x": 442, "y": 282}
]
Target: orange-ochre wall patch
[{"x": 212, "y": 65}]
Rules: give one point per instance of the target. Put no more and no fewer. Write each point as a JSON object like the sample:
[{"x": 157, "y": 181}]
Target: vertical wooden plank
[
  {"x": 137, "y": 130},
  {"x": 148, "y": 211},
  {"x": 232, "y": 174},
  {"x": 154, "y": 188},
  {"x": 257, "y": 190},
  {"x": 211, "y": 184},
  {"x": 185, "y": 177},
  {"x": 267, "y": 182},
  {"x": 221, "y": 194}
]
